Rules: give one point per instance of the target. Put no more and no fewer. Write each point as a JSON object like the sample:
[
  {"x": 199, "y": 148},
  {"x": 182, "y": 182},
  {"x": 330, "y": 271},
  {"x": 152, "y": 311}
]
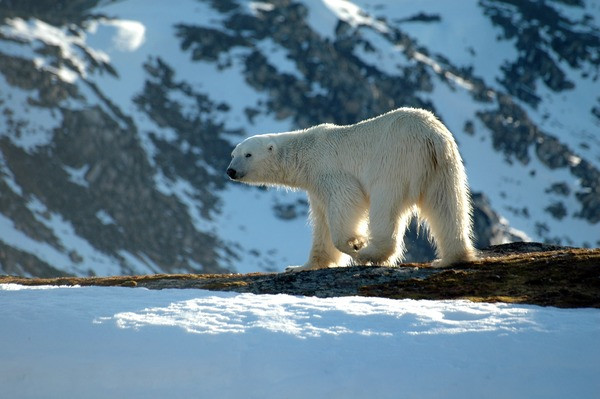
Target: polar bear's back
[
  {"x": 406, "y": 143},
  {"x": 399, "y": 128}
]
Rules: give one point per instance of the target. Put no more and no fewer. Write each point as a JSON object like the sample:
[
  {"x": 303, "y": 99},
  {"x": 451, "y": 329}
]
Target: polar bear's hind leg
[{"x": 447, "y": 209}]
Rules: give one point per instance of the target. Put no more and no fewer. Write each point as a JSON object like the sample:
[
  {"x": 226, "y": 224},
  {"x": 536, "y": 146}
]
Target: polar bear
[{"x": 365, "y": 181}]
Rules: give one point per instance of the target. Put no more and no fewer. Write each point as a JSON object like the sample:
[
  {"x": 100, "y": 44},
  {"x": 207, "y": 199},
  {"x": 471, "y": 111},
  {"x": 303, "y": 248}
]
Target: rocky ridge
[{"x": 530, "y": 273}]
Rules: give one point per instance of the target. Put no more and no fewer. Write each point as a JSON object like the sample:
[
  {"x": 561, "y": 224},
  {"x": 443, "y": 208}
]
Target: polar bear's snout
[
  {"x": 234, "y": 171},
  {"x": 235, "y": 174},
  {"x": 231, "y": 173}
]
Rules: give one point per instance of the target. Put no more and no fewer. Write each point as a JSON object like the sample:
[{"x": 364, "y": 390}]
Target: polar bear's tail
[{"x": 446, "y": 204}]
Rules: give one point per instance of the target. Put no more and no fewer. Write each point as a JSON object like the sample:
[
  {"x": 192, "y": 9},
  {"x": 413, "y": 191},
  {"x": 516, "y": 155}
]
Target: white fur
[{"x": 365, "y": 181}]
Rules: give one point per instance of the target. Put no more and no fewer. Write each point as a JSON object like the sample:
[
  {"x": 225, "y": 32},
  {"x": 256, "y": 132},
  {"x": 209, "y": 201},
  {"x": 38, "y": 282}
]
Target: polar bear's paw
[
  {"x": 357, "y": 243},
  {"x": 295, "y": 269},
  {"x": 466, "y": 256},
  {"x": 373, "y": 256},
  {"x": 292, "y": 269}
]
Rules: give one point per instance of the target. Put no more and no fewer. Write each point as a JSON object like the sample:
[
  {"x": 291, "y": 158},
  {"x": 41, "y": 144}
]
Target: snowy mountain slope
[
  {"x": 118, "y": 118},
  {"x": 138, "y": 343}
]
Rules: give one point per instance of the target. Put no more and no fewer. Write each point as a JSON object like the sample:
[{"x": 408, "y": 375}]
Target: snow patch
[
  {"x": 18, "y": 287},
  {"x": 104, "y": 217},
  {"x": 29, "y": 127},
  {"x": 307, "y": 317},
  {"x": 8, "y": 177},
  {"x": 256, "y": 7},
  {"x": 77, "y": 175},
  {"x": 70, "y": 42},
  {"x": 138, "y": 263},
  {"x": 354, "y": 15},
  {"x": 125, "y": 35}
]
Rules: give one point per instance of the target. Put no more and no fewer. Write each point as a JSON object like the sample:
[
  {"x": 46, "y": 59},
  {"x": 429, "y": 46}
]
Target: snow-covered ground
[{"x": 135, "y": 343}]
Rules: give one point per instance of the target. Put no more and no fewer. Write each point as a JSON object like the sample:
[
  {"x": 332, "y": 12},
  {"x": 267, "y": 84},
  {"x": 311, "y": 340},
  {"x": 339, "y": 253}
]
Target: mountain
[{"x": 117, "y": 119}]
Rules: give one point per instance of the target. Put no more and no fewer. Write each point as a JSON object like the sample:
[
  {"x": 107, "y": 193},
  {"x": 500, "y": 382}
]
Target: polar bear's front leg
[
  {"x": 322, "y": 253},
  {"x": 388, "y": 218},
  {"x": 347, "y": 206}
]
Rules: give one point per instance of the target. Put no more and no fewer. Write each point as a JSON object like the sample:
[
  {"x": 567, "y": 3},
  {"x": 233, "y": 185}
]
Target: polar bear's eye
[{"x": 248, "y": 155}]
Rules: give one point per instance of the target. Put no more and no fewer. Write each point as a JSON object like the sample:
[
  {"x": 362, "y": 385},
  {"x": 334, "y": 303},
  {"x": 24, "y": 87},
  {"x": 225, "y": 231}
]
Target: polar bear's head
[{"x": 253, "y": 161}]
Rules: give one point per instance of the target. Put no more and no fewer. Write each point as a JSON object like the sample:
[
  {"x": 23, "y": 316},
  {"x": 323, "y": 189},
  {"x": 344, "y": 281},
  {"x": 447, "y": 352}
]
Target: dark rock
[
  {"x": 515, "y": 248},
  {"x": 557, "y": 210},
  {"x": 561, "y": 188},
  {"x": 487, "y": 226}
]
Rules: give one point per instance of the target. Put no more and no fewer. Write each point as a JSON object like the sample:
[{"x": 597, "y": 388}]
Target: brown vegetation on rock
[{"x": 563, "y": 277}]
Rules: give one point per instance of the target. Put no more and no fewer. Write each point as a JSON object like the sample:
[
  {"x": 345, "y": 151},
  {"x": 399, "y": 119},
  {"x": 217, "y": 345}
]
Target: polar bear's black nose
[{"x": 231, "y": 173}]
